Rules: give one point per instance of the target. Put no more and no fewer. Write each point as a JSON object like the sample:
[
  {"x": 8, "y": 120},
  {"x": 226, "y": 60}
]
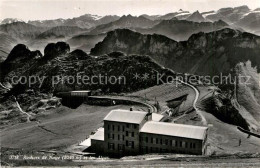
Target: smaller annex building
[{"x": 128, "y": 132}]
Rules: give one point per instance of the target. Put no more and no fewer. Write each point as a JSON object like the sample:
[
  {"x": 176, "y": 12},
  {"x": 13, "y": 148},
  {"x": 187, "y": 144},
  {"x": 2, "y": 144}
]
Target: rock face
[
  {"x": 221, "y": 107},
  {"x": 203, "y": 53}
]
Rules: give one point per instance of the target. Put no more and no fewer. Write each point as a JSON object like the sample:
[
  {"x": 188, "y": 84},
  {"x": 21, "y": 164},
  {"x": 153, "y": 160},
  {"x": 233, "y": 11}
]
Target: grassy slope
[{"x": 67, "y": 127}]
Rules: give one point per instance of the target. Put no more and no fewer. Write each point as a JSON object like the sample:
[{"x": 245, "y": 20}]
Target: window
[
  {"x": 133, "y": 134},
  {"x": 161, "y": 141},
  {"x": 108, "y": 127},
  {"x": 113, "y": 127},
  {"x": 135, "y": 126},
  {"x": 183, "y": 144},
  {"x": 151, "y": 140},
  {"x": 121, "y": 137},
  {"x": 126, "y": 133},
  {"x": 111, "y": 136},
  {"x": 123, "y": 128},
  {"x": 119, "y": 128},
  {"x": 194, "y": 145},
  {"x": 130, "y": 144},
  {"x": 146, "y": 139},
  {"x": 154, "y": 140},
  {"x": 157, "y": 140},
  {"x": 111, "y": 146},
  {"x": 186, "y": 145},
  {"x": 165, "y": 142},
  {"x": 128, "y": 125},
  {"x": 190, "y": 145},
  {"x": 121, "y": 147},
  {"x": 176, "y": 143},
  {"x": 173, "y": 143}
]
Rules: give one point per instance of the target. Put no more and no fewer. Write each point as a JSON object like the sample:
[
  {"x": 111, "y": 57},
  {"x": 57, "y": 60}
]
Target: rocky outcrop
[
  {"x": 221, "y": 107},
  {"x": 21, "y": 53},
  {"x": 55, "y": 49},
  {"x": 19, "y": 56}
]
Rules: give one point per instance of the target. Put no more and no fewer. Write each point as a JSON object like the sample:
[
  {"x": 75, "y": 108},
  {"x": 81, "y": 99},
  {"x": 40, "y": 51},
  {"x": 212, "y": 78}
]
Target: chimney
[
  {"x": 131, "y": 108},
  {"x": 149, "y": 115}
]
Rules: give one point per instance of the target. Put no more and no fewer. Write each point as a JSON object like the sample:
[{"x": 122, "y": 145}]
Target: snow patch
[{"x": 208, "y": 14}]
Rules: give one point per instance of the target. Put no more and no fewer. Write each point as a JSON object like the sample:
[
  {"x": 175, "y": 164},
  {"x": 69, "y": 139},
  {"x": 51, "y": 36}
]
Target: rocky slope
[
  {"x": 247, "y": 93},
  {"x": 220, "y": 105},
  {"x": 59, "y": 61},
  {"x": 203, "y": 53},
  {"x": 181, "y": 30}
]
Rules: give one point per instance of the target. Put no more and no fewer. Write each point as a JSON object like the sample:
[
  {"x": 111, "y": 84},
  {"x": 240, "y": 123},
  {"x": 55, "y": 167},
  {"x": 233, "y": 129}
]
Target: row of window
[
  {"x": 121, "y": 147},
  {"x": 120, "y": 136},
  {"x": 154, "y": 149},
  {"x": 174, "y": 143},
  {"x": 121, "y": 127}
]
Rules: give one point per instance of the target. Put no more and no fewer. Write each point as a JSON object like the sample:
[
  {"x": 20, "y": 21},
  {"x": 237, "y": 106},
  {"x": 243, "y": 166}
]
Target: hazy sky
[{"x": 49, "y": 9}]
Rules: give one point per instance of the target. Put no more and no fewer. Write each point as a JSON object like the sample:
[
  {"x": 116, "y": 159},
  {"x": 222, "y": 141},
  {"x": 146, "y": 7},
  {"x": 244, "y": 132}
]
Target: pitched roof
[
  {"x": 126, "y": 116},
  {"x": 177, "y": 130},
  {"x": 99, "y": 135},
  {"x": 157, "y": 117}
]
